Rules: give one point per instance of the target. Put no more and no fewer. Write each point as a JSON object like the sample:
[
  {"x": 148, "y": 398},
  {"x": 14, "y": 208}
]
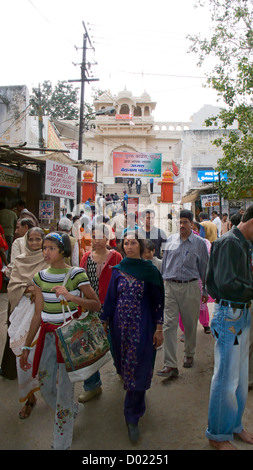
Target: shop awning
[
  {"x": 30, "y": 157},
  {"x": 193, "y": 194}
]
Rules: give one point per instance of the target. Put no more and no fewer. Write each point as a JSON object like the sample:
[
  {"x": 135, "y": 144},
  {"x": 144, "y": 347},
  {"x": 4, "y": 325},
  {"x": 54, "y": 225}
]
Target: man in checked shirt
[{"x": 185, "y": 261}]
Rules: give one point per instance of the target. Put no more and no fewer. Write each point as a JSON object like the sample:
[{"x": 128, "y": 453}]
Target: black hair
[
  {"x": 236, "y": 218},
  {"x": 186, "y": 214},
  {"x": 203, "y": 215},
  {"x": 64, "y": 245},
  {"x": 248, "y": 214},
  {"x": 197, "y": 224},
  {"x": 149, "y": 245},
  {"x": 140, "y": 240},
  {"x": 21, "y": 203},
  {"x": 101, "y": 228},
  {"x": 147, "y": 211}
]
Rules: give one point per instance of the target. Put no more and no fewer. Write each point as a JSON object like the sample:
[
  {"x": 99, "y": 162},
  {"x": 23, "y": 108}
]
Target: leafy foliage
[
  {"x": 230, "y": 45},
  {"x": 60, "y": 102}
]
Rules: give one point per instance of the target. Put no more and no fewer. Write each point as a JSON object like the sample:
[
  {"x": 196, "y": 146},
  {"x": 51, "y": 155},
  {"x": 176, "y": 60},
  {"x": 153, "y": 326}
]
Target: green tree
[
  {"x": 230, "y": 48},
  {"x": 59, "y": 102}
]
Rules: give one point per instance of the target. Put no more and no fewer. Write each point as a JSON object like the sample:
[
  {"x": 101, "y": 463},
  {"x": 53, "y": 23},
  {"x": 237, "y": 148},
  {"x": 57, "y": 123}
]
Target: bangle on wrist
[{"x": 26, "y": 347}]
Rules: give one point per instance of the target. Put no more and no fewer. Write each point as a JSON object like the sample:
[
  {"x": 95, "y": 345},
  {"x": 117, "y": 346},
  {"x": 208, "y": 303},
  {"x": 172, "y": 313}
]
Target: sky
[{"x": 139, "y": 45}]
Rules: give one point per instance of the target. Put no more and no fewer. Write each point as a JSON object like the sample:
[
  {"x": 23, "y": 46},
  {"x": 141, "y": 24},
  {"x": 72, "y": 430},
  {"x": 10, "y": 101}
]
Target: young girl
[
  {"x": 21, "y": 299},
  {"x": 98, "y": 265},
  {"x": 55, "y": 386}
]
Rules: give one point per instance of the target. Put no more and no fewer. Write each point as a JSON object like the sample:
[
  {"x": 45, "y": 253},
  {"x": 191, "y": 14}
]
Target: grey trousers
[
  {"x": 58, "y": 393},
  {"x": 183, "y": 298}
]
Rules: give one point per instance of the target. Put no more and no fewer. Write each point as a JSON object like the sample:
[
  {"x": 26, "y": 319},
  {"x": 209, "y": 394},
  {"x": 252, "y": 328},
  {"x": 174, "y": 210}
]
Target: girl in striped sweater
[{"x": 48, "y": 364}]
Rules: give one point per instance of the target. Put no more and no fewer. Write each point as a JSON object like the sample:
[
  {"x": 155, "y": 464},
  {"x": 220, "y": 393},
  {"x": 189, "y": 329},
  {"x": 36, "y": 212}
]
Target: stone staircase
[{"x": 144, "y": 197}]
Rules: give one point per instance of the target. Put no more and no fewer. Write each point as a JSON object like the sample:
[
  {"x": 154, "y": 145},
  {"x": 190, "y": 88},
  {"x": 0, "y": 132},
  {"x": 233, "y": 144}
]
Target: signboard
[
  {"x": 211, "y": 176},
  {"x": 10, "y": 178},
  {"x": 46, "y": 210},
  {"x": 136, "y": 165},
  {"x": 124, "y": 116},
  {"x": 210, "y": 200},
  {"x": 60, "y": 180}
]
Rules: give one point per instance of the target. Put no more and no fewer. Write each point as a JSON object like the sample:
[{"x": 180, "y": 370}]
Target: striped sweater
[{"x": 51, "y": 277}]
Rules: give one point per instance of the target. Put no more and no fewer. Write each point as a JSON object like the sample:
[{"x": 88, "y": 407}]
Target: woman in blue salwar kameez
[{"x": 133, "y": 309}]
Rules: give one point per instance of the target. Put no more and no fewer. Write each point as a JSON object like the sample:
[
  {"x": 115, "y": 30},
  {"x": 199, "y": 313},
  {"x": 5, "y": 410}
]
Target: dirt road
[{"x": 175, "y": 419}]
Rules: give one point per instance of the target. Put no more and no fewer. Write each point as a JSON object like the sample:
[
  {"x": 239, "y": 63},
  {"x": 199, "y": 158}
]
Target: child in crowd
[{"x": 55, "y": 385}]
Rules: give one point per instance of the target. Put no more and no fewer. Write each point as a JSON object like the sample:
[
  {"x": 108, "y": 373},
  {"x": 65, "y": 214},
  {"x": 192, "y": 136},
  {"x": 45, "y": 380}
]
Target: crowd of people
[{"x": 143, "y": 283}]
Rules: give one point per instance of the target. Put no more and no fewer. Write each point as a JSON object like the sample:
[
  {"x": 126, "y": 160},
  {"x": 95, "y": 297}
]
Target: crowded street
[
  {"x": 176, "y": 418},
  {"x": 126, "y": 229}
]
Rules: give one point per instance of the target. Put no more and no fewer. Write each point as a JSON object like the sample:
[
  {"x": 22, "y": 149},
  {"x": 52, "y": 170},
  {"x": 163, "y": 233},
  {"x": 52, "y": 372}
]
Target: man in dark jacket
[{"x": 229, "y": 281}]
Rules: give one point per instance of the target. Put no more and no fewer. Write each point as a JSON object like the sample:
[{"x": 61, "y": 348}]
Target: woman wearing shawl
[
  {"x": 133, "y": 309},
  {"x": 20, "y": 295}
]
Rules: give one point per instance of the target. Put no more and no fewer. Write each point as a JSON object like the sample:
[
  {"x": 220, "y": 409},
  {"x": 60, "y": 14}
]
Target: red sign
[{"x": 124, "y": 116}]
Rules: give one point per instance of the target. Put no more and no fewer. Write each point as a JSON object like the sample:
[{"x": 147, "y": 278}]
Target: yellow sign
[{"x": 9, "y": 177}]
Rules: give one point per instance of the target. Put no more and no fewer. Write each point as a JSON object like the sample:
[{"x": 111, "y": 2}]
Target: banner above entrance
[{"x": 137, "y": 165}]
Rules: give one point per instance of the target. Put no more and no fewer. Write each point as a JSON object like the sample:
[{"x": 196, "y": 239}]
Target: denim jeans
[
  {"x": 229, "y": 387},
  {"x": 92, "y": 382}
]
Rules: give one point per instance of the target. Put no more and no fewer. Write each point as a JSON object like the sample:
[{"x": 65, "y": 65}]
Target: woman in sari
[
  {"x": 133, "y": 310},
  {"x": 21, "y": 298},
  {"x": 98, "y": 265}
]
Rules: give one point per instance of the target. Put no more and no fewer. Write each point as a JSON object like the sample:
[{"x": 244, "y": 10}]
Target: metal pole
[
  {"x": 81, "y": 123},
  {"x": 220, "y": 195},
  {"x": 40, "y": 120}
]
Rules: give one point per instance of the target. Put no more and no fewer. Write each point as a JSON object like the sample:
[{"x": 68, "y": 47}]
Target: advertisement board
[
  {"x": 210, "y": 200},
  {"x": 137, "y": 165},
  {"x": 211, "y": 176},
  {"x": 10, "y": 177},
  {"x": 46, "y": 210},
  {"x": 60, "y": 180}
]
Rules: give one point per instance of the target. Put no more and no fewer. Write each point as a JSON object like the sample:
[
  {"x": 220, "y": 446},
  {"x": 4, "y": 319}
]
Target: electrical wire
[{"x": 51, "y": 24}]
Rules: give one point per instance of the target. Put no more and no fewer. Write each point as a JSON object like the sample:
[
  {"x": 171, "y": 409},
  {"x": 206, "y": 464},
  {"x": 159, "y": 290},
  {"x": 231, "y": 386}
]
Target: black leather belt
[
  {"x": 226, "y": 303},
  {"x": 182, "y": 282}
]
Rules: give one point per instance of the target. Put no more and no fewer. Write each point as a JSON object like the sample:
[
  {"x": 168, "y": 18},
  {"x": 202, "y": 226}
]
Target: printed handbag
[{"x": 83, "y": 344}]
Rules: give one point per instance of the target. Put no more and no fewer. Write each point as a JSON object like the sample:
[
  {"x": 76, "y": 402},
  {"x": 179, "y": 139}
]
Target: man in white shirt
[{"x": 216, "y": 220}]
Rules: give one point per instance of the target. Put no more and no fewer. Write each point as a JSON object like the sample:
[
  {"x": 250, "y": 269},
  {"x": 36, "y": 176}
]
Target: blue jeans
[
  {"x": 92, "y": 382},
  {"x": 229, "y": 386}
]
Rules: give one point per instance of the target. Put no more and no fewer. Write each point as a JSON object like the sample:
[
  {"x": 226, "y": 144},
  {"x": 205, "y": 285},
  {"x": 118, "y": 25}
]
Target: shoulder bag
[{"x": 82, "y": 342}]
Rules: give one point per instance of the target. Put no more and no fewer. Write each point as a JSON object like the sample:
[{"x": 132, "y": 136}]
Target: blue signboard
[{"x": 211, "y": 176}]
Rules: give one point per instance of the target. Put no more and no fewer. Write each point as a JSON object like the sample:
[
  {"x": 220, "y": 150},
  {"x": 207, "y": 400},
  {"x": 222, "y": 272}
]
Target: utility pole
[
  {"x": 84, "y": 78},
  {"x": 40, "y": 119}
]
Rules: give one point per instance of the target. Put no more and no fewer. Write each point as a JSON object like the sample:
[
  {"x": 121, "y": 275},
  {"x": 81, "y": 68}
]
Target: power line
[
  {"x": 51, "y": 24},
  {"x": 162, "y": 75}
]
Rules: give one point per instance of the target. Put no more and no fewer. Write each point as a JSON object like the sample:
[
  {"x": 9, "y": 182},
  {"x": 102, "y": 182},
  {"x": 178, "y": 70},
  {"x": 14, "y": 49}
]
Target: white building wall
[{"x": 14, "y": 114}]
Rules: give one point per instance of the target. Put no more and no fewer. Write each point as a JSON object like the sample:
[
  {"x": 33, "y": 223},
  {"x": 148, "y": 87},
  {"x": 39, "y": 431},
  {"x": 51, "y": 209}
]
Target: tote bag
[
  {"x": 20, "y": 321},
  {"x": 83, "y": 343}
]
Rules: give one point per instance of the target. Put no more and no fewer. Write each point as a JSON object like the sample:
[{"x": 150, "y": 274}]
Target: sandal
[{"x": 27, "y": 409}]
